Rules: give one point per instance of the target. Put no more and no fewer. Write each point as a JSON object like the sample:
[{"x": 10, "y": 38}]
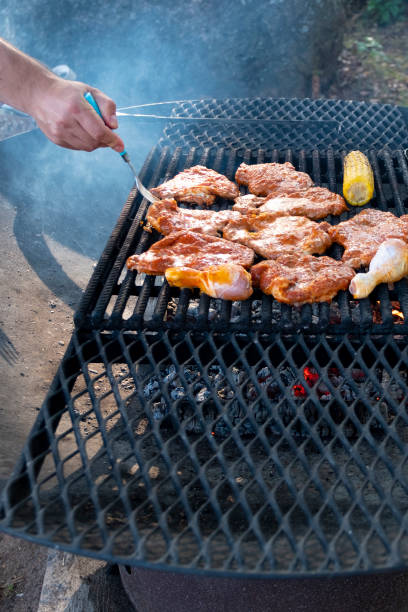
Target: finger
[
  {"x": 107, "y": 108},
  {"x": 98, "y": 131},
  {"x": 73, "y": 137},
  {"x": 82, "y": 140}
]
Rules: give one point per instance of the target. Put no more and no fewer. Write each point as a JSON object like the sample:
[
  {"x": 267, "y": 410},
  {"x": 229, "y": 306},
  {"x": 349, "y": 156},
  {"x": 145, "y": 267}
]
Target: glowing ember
[
  {"x": 299, "y": 390},
  {"x": 310, "y": 375},
  {"x": 397, "y": 313}
]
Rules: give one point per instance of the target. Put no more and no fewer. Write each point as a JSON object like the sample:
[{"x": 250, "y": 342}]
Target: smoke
[{"x": 139, "y": 52}]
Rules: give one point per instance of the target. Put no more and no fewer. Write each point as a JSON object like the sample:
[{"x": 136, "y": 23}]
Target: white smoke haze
[{"x": 139, "y": 52}]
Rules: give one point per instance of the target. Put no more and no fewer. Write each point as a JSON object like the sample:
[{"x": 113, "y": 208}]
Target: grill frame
[{"x": 56, "y": 514}]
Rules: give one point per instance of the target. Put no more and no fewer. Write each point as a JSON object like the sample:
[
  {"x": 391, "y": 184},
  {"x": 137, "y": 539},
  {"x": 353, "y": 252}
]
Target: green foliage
[
  {"x": 386, "y": 11},
  {"x": 9, "y": 590},
  {"x": 372, "y": 48}
]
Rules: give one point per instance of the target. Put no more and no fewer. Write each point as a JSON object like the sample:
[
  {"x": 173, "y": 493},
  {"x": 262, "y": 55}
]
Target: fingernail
[
  {"x": 114, "y": 121},
  {"x": 118, "y": 148}
]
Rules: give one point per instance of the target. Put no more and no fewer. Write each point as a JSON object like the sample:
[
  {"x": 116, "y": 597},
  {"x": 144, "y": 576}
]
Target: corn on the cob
[{"x": 358, "y": 180}]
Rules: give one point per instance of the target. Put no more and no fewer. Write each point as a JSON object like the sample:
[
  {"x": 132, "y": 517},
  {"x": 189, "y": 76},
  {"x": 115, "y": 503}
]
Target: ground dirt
[
  {"x": 35, "y": 327},
  {"x": 41, "y": 281}
]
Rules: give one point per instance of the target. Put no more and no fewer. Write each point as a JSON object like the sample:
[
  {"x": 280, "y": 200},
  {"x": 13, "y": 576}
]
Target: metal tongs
[
  {"x": 124, "y": 154},
  {"x": 134, "y": 111}
]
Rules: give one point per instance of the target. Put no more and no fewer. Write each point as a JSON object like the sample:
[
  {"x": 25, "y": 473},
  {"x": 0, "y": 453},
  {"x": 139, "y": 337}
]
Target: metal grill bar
[{"x": 136, "y": 302}]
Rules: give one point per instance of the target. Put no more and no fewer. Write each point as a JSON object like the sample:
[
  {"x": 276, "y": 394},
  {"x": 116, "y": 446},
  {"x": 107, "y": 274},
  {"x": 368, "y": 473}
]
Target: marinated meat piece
[
  {"x": 272, "y": 235},
  {"x": 247, "y": 203},
  {"x": 272, "y": 179},
  {"x": 228, "y": 281},
  {"x": 389, "y": 265},
  {"x": 191, "y": 250},
  {"x": 166, "y": 217},
  {"x": 314, "y": 203},
  {"x": 301, "y": 279},
  {"x": 197, "y": 184},
  {"x": 362, "y": 235}
]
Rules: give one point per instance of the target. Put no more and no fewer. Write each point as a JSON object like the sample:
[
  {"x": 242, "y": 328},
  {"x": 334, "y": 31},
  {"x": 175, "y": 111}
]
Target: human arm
[{"x": 57, "y": 105}]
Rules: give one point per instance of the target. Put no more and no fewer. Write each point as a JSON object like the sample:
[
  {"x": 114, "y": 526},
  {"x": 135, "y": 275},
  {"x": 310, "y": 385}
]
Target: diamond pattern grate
[
  {"x": 243, "y": 453},
  {"x": 298, "y": 124}
]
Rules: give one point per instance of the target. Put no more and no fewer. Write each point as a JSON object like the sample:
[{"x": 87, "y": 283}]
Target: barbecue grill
[{"x": 248, "y": 439}]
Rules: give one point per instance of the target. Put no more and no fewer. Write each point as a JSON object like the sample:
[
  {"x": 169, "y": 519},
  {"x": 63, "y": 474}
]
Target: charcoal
[
  {"x": 151, "y": 387},
  {"x": 172, "y": 373},
  {"x": 238, "y": 375},
  {"x": 177, "y": 393},
  {"x": 159, "y": 410},
  {"x": 202, "y": 394},
  {"x": 191, "y": 374},
  {"x": 225, "y": 393}
]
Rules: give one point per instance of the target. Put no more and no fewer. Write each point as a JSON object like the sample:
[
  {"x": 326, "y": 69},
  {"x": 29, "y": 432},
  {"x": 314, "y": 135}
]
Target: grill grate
[
  {"x": 310, "y": 124},
  {"x": 243, "y": 453},
  {"x": 123, "y": 300},
  {"x": 254, "y": 439}
]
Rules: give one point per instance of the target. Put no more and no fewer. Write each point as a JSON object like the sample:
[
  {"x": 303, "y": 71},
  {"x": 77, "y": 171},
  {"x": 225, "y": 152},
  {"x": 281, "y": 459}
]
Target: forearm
[
  {"x": 58, "y": 106},
  {"x": 21, "y": 78}
]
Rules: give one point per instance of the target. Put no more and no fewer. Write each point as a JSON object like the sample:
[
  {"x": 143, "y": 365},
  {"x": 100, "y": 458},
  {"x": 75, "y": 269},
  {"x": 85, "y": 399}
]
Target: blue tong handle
[
  {"x": 124, "y": 155},
  {"x": 91, "y": 100}
]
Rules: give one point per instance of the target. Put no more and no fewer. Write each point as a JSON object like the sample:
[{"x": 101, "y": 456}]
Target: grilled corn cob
[{"x": 358, "y": 180}]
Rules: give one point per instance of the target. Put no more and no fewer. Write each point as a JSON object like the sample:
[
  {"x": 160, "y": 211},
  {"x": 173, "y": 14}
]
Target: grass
[{"x": 8, "y": 589}]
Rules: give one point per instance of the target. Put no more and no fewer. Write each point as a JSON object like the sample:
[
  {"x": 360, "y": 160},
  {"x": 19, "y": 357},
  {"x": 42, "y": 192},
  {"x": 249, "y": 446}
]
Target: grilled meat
[
  {"x": 272, "y": 235},
  {"x": 192, "y": 250},
  {"x": 314, "y": 203},
  {"x": 166, "y": 217},
  {"x": 249, "y": 203},
  {"x": 389, "y": 264},
  {"x": 362, "y": 235},
  {"x": 272, "y": 179},
  {"x": 300, "y": 278},
  {"x": 197, "y": 184},
  {"x": 228, "y": 281}
]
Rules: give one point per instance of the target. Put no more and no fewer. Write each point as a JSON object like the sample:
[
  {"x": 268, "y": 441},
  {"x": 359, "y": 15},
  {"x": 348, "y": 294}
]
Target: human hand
[{"x": 68, "y": 120}]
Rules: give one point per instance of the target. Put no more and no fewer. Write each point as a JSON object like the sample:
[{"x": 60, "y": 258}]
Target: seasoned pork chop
[
  {"x": 197, "y": 184},
  {"x": 166, "y": 217},
  {"x": 249, "y": 202},
  {"x": 272, "y": 179},
  {"x": 272, "y": 235},
  {"x": 300, "y": 278},
  {"x": 192, "y": 250},
  {"x": 314, "y": 203},
  {"x": 362, "y": 235}
]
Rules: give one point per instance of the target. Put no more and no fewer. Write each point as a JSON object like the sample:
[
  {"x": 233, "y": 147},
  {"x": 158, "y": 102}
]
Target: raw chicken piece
[
  {"x": 389, "y": 264},
  {"x": 362, "y": 235},
  {"x": 192, "y": 250},
  {"x": 272, "y": 235},
  {"x": 268, "y": 179},
  {"x": 166, "y": 217},
  {"x": 314, "y": 203},
  {"x": 197, "y": 184},
  {"x": 228, "y": 281},
  {"x": 300, "y": 279}
]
